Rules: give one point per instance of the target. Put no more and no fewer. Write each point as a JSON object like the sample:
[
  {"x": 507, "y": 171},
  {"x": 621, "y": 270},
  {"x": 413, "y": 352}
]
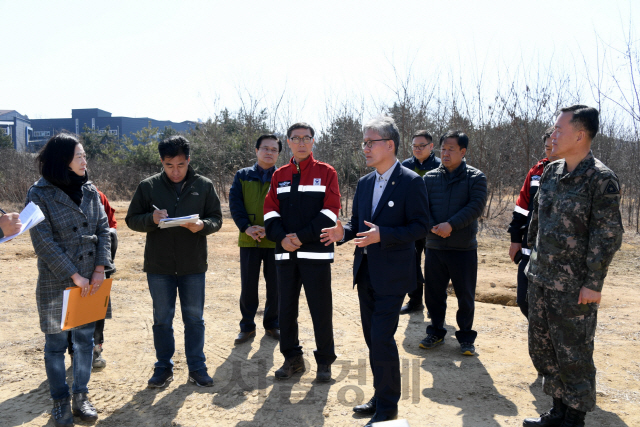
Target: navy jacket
[
  {"x": 459, "y": 198},
  {"x": 429, "y": 164},
  {"x": 401, "y": 216}
]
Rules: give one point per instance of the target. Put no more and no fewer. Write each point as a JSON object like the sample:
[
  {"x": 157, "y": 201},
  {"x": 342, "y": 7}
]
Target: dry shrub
[
  {"x": 18, "y": 173},
  {"x": 117, "y": 182}
]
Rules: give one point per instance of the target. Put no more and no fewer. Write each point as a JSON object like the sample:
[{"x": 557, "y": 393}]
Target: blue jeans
[
  {"x": 163, "y": 289},
  {"x": 54, "y": 351}
]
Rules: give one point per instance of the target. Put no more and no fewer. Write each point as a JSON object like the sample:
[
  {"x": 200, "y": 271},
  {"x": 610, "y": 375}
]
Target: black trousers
[
  {"x": 523, "y": 286},
  {"x": 250, "y": 260},
  {"x": 415, "y": 297},
  {"x": 380, "y": 314},
  {"x": 461, "y": 267},
  {"x": 316, "y": 279}
]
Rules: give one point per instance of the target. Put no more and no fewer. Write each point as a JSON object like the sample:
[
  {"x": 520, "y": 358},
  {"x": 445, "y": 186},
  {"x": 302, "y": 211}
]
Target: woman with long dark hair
[{"x": 73, "y": 246}]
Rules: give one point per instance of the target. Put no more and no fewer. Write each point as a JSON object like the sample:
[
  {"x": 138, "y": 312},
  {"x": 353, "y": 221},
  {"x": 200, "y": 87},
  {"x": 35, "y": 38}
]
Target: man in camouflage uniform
[{"x": 576, "y": 229}]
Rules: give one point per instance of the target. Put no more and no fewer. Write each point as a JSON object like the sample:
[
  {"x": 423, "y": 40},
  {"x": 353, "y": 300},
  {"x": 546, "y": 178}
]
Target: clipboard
[
  {"x": 78, "y": 311},
  {"x": 175, "y": 222}
]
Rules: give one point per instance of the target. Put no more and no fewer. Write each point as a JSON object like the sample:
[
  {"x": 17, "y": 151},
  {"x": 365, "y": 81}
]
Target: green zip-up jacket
[
  {"x": 246, "y": 203},
  {"x": 175, "y": 250}
]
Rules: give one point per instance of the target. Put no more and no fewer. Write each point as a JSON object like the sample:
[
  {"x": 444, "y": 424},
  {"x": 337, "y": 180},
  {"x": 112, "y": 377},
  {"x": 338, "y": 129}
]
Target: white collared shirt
[
  {"x": 378, "y": 189},
  {"x": 380, "y": 185}
]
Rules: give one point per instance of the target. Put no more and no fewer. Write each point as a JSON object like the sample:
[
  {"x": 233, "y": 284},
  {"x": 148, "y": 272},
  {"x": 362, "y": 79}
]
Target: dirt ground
[{"x": 498, "y": 387}]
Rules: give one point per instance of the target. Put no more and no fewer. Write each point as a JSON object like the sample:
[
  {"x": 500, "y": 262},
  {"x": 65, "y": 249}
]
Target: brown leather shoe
[
  {"x": 244, "y": 337},
  {"x": 274, "y": 333},
  {"x": 290, "y": 367}
]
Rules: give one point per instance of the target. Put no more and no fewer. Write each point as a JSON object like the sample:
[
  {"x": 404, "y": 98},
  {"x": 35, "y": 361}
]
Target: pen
[
  {"x": 3, "y": 212},
  {"x": 155, "y": 207}
]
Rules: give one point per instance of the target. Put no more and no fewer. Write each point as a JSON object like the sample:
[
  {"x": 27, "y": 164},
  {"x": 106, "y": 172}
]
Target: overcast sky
[{"x": 184, "y": 60}]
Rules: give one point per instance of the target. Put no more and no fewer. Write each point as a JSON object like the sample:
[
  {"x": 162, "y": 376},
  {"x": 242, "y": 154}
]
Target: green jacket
[
  {"x": 246, "y": 203},
  {"x": 175, "y": 250}
]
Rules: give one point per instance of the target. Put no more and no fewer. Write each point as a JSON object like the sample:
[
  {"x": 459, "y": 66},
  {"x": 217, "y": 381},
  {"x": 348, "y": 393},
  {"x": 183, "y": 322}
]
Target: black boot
[
  {"x": 551, "y": 418},
  {"x": 291, "y": 366},
  {"x": 83, "y": 408},
  {"x": 573, "y": 418},
  {"x": 61, "y": 413}
]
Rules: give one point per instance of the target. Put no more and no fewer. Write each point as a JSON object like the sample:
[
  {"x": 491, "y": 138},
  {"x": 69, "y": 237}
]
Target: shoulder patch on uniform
[
  {"x": 610, "y": 187},
  {"x": 284, "y": 184},
  {"x": 316, "y": 181}
]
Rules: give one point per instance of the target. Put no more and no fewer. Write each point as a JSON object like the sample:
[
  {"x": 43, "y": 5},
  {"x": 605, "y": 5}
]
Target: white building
[{"x": 18, "y": 126}]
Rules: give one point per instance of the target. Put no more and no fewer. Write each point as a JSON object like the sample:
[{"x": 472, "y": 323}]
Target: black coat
[
  {"x": 459, "y": 198},
  {"x": 401, "y": 215}
]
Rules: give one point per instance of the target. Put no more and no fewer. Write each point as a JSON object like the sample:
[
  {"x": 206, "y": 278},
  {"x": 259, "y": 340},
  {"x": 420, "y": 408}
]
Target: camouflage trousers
[{"x": 561, "y": 334}]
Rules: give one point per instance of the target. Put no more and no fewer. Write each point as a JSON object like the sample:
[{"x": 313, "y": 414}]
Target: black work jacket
[{"x": 175, "y": 250}]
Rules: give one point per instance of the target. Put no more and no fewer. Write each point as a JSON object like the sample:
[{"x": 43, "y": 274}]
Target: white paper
[
  {"x": 65, "y": 302},
  {"x": 30, "y": 216},
  {"x": 175, "y": 222}
]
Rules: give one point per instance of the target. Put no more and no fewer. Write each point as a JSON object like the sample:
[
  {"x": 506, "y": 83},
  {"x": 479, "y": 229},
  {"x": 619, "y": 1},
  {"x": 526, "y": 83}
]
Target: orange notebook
[{"x": 78, "y": 311}]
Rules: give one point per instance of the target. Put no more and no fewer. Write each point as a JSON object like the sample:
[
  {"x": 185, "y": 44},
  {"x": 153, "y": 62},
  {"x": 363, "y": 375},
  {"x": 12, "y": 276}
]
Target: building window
[
  {"x": 93, "y": 123},
  {"x": 101, "y": 131},
  {"x": 113, "y": 131},
  {"x": 77, "y": 127},
  {"x": 42, "y": 133}
]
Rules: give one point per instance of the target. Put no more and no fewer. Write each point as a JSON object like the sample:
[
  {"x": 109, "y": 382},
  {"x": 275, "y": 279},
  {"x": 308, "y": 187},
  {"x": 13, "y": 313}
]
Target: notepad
[
  {"x": 78, "y": 311},
  {"x": 175, "y": 222},
  {"x": 30, "y": 216}
]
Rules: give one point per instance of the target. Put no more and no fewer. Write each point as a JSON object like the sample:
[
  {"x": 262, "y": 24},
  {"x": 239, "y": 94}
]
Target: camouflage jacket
[{"x": 576, "y": 226}]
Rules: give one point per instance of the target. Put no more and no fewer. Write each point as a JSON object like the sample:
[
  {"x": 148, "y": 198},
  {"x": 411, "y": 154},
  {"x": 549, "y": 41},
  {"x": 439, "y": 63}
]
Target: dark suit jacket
[{"x": 402, "y": 216}]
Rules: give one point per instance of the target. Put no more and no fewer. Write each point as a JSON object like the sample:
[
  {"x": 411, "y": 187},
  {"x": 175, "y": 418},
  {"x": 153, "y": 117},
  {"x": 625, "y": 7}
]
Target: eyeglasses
[
  {"x": 419, "y": 147},
  {"x": 297, "y": 140},
  {"x": 269, "y": 150},
  {"x": 369, "y": 144}
]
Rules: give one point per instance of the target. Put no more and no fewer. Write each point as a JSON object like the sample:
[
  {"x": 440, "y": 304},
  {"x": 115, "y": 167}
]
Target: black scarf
[{"x": 74, "y": 188}]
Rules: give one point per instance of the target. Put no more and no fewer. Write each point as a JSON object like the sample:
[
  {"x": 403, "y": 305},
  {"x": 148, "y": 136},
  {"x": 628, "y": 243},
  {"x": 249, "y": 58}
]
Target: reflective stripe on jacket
[{"x": 302, "y": 199}]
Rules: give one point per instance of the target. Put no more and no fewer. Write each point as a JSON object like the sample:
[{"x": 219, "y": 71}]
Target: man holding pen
[{"x": 175, "y": 259}]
